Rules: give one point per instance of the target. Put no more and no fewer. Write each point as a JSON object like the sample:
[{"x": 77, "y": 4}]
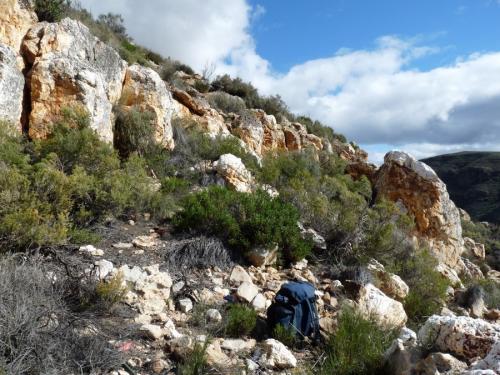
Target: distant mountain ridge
[{"x": 473, "y": 180}]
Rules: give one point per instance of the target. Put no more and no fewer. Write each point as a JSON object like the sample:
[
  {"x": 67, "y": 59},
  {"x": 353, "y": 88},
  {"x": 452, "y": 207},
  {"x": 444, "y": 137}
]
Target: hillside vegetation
[
  {"x": 129, "y": 255},
  {"x": 473, "y": 181}
]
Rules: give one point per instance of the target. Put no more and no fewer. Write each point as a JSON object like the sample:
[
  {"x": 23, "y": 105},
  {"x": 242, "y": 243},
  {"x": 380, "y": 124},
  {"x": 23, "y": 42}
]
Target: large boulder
[
  {"x": 461, "y": 336},
  {"x": 491, "y": 361},
  {"x": 144, "y": 89},
  {"x": 374, "y": 304},
  {"x": 11, "y": 87},
  {"x": 16, "y": 18},
  {"x": 404, "y": 179},
  {"x": 234, "y": 173},
  {"x": 277, "y": 356},
  {"x": 71, "y": 67}
]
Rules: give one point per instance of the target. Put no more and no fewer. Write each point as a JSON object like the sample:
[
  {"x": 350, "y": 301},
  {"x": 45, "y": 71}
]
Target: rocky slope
[
  {"x": 473, "y": 180},
  {"x": 45, "y": 67}
]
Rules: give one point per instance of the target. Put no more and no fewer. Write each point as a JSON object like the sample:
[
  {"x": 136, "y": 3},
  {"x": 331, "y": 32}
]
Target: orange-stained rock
[
  {"x": 250, "y": 130},
  {"x": 16, "y": 18},
  {"x": 358, "y": 169},
  {"x": 292, "y": 139},
  {"x": 196, "y": 110},
  {"x": 71, "y": 68},
  {"x": 311, "y": 140},
  {"x": 196, "y": 105},
  {"x": 234, "y": 173},
  {"x": 144, "y": 89},
  {"x": 274, "y": 138},
  {"x": 404, "y": 179}
]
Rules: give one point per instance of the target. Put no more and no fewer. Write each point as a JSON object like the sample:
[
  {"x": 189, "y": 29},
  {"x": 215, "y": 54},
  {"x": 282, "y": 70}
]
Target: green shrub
[
  {"x": 321, "y": 130},
  {"x": 50, "y": 10},
  {"x": 427, "y": 286},
  {"x": 114, "y": 22},
  {"x": 237, "y": 87},
  {"x": 110, "y": 292},
  {"x": 241, "y": 320},
  {"x": 491, "y": 291},
  {"x": 196, "y": 363},
  {"x": 287, "y": 336},
  {"x": 53, "y": 189},
  {"x": 134, "y": 132},
  {"x": 194, "y": 146},
  {"x": 357, "y": 347},
  {"x": 244, "y": 221},
  {"x": 226, "y": 102}
]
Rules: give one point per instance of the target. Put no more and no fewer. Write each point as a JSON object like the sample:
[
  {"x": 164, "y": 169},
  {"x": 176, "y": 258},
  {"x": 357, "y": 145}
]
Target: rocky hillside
[
  {"x": 149, "y": 217},
  {"x": 473, "y": 180}
]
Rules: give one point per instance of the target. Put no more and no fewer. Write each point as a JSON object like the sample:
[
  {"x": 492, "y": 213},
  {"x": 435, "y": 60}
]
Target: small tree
[
  {"x": 114, "y": 22},
  {"x": 51, "y": 10}
]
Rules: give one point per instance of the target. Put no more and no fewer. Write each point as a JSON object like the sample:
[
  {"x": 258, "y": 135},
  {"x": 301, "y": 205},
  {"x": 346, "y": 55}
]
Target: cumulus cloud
[
  {"x": 195, "y": 32},
  {"x": 374, "y": 96}
]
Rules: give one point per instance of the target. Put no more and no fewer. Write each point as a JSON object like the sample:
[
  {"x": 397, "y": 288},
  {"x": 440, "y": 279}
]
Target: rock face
[
  {"x": 374, "y": 304},
  {"x": 473, "y": 249},
  {"x": 404, "y": 179},
  {"x": 192, "y": 107},
  {"x": 16, "y": 19},
  {"x": 11, "y": 87},
  {"x": 234, "y": 173},
  {"x": 390, "y": 284},
  {"x": 71, "y": 68},
  {"x": 145, "y": 90},
  {"x": 249, "y": 129},
  {"x": 461, "y": 336}
]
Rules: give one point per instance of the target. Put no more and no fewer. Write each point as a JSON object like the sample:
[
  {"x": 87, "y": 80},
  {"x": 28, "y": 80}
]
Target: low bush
[
  {"x": 134, "y": 132},
  {"x": 110, "y": 292},
  {"x": 287, "y": 336},
  {"x": 427, "y": 286},
  {"x": 272, "y": 105},
  {"x": 194, "y": 146},
  {"x": 196, "y": 363},
  {"x": 226, "y": 102},
  {"x": 244, "y": 221},
  {"x": 38, "y": 332},
  {"x": 357, "y": 347},
  {"x": 319, "y": 129},
  {"x": 50, "y": 10},
  {"x": 241, "y": 320},
  {"x": 53, "y": 189},
  {"x": 490, "y": 292}
]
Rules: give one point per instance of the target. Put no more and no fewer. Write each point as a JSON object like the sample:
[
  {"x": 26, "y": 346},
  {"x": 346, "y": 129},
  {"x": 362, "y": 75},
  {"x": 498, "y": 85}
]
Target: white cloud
[
  {"x": 374, "y": 96},
  {"x": 196, "y": 32}
]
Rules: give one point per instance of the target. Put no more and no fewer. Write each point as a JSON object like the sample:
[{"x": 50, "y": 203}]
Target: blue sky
[
  {"x": 421, "y": 76},
  {"x": 290, "y": 32}
]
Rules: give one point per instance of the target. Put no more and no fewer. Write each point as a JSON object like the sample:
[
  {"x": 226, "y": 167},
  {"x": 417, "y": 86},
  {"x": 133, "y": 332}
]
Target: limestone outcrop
[
  {"x": 11, "y": 87},
  {"x": 71, "y": 67},
  {"x": 193, "y": 108},
  {"x": 414, "y": 184},
  {"x": 144, "y": 90},
  {"x": 234, "y": 173},
  {"x": 461, "y": 336},
  {"x": 374, "y": 304},
  {"x": 16, "y": 18}
]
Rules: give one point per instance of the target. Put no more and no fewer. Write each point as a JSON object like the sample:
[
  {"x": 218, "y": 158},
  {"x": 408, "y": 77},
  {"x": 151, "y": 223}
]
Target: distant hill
[{"x": 473, "y": 180}]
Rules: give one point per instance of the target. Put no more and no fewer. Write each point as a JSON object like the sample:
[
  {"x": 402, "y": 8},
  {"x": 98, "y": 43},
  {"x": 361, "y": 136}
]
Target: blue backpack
[{"x": 294, "y": 307}]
